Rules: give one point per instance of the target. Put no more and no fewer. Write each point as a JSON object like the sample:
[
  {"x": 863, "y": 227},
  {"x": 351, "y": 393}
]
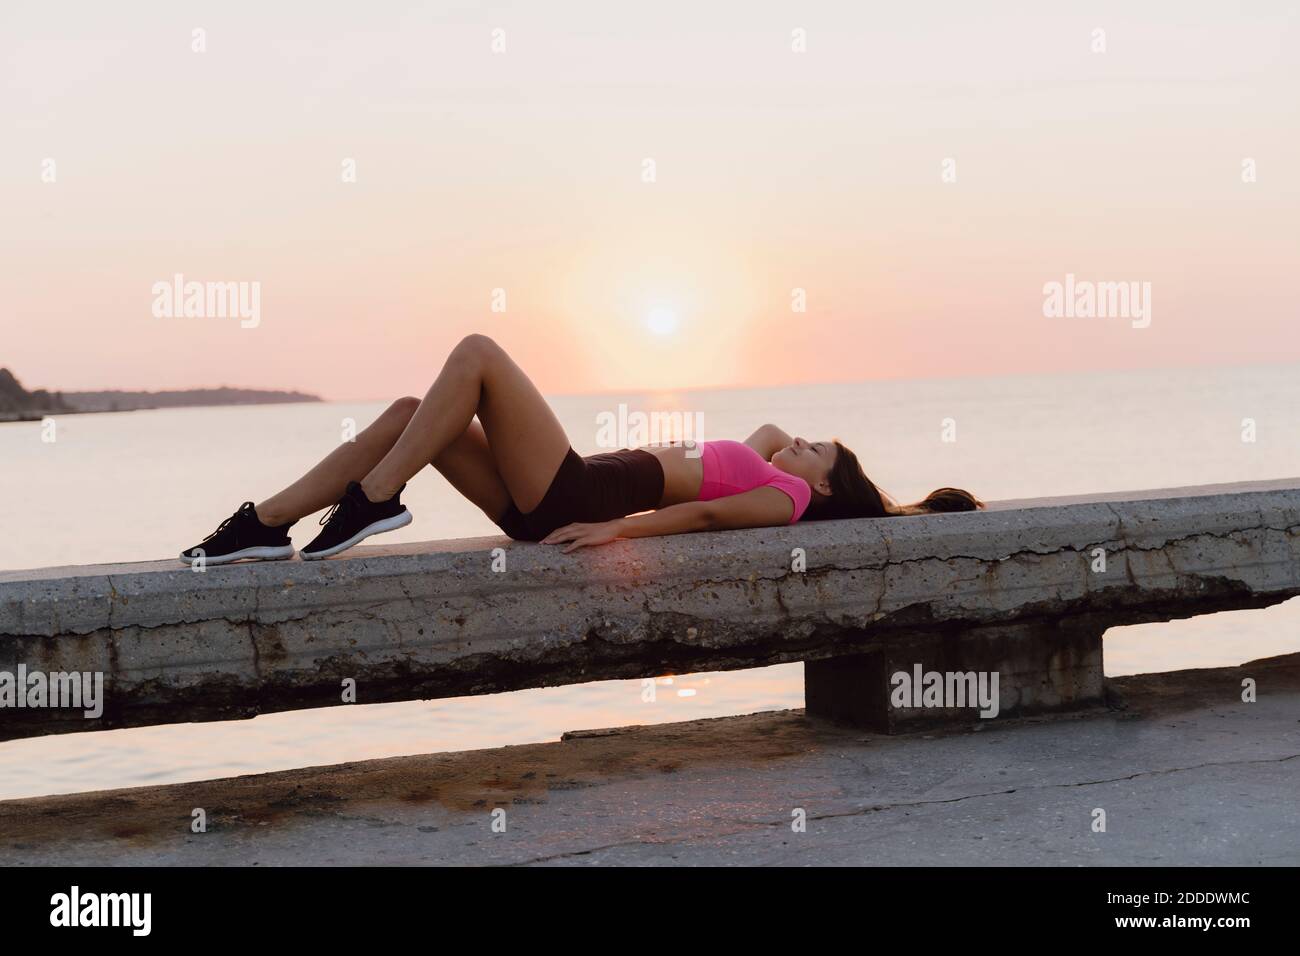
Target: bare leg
[
  {"x": 526, "y": 440},
  {"x": 469, "y": 466},
  {"x": 325, "y": 483}
]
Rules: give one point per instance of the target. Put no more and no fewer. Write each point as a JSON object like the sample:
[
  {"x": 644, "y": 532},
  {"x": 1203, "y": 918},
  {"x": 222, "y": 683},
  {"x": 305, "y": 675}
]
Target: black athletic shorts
[{"x": 596, "y": 488}]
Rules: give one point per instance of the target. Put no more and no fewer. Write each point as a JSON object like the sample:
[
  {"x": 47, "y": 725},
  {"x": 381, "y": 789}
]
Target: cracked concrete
[
  {"x": 1185, "y": 772},
  {"x": 434, "y": 620}
]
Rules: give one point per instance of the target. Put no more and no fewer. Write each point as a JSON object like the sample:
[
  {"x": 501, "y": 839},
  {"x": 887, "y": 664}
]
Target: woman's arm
[
  {"x": 759, "y": 508},
  {"x": 768, "y": 440}
]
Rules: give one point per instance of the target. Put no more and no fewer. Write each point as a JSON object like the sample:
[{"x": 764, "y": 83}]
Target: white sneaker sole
[
  {"x": 379, "y": 527},
  {"x": 264, "y": 553}
]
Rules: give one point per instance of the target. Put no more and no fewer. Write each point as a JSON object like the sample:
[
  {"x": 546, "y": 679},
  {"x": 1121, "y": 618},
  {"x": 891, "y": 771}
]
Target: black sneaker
[
  {"x": 354, "y": 519},
  {"x": 241, "y": 536}
]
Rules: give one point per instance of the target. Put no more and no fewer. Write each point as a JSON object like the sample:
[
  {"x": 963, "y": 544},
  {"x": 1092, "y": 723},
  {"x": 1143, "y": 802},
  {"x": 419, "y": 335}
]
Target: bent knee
[
  {"x": 477, "y": 345},
  {"x": 404, "y": 407}
]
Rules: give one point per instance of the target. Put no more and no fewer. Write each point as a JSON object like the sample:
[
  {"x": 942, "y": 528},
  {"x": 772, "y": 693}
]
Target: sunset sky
[{"x": 523, "y": 170}]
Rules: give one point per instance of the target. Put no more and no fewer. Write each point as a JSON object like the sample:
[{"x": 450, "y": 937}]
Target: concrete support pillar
[{"x": 1040, "y": 667}]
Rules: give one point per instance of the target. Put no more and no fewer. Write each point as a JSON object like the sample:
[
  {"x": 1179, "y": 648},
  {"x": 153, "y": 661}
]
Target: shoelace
[
  {"x": 345, "y": 501},
  {"x": 226, "y": 524}
]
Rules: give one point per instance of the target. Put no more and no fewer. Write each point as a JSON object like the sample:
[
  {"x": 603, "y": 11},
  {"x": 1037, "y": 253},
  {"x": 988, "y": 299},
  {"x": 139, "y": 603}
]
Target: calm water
[{"x": 142, "y": 485}]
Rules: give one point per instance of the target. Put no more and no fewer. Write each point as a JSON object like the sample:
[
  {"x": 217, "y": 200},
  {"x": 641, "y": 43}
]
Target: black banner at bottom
[{"x": 335, "y": 905}]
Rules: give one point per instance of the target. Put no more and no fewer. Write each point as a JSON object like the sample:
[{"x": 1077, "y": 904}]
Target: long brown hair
[{"x": 854, "y": 495}]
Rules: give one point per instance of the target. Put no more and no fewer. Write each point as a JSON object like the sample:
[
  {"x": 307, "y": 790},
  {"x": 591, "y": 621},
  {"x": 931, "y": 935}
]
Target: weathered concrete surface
[
  {"x": 1186, "y": 774},
  {"x": 435, "y": 620}
]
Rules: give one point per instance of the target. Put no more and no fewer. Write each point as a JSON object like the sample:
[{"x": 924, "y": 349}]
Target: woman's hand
[{"x": 580, "y": 535}]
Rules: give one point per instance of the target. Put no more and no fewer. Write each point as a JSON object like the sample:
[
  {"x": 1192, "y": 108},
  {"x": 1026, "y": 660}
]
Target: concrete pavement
[{"x": 1185, "y": 772}]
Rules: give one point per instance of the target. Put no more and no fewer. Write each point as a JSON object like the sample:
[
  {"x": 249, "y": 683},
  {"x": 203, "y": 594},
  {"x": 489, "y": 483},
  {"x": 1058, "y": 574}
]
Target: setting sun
[{"x": 661, "y": 321}]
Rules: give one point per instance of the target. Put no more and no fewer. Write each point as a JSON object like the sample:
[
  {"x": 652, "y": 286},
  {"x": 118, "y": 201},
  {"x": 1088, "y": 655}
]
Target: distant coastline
[{"x": 19, "y": 404}]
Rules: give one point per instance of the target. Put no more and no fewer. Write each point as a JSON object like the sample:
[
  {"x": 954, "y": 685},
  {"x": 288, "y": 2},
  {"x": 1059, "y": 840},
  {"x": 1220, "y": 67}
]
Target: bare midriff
[{"x": 683, "y": 472}]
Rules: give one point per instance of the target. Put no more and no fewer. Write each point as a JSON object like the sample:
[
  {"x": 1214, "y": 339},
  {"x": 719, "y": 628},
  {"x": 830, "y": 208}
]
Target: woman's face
[{"x": 811, "y": 461}]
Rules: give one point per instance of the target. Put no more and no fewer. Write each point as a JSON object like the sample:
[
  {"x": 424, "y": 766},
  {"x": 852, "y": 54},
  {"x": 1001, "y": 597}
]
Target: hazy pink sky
[{"x": 522, "y": 170}]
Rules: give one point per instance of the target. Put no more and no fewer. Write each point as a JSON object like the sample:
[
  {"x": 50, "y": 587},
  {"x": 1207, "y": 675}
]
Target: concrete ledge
[{"x": 435, "y": 620}]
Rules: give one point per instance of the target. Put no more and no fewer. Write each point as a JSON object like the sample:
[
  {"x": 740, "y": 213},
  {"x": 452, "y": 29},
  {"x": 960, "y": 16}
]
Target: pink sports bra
[{"x": 732, "y": 467}]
